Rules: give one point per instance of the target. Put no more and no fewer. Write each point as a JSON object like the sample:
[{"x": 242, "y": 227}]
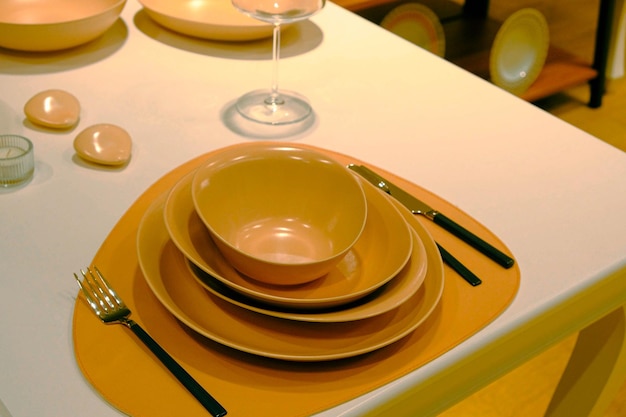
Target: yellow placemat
[{"x": 128, "y": 376}]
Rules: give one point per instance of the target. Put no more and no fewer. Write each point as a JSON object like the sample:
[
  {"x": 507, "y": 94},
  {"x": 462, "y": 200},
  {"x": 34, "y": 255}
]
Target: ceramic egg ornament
[
  {"x": 54, "y": 108},
  {"x": 104, "y": 144}
]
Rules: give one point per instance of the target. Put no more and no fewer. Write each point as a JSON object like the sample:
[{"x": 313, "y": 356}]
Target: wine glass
[{"x": 274, "y": 106}]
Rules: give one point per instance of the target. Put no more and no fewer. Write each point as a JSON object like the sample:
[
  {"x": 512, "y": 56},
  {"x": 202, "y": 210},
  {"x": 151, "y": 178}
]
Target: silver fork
[{"x": 110, "y": 308}]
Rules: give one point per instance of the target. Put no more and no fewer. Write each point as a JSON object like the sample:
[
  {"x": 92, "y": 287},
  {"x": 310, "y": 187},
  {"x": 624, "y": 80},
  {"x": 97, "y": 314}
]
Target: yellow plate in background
[
  {"x": 52, "y": 25},
  {"x": 519, "y": 51},
  {"x": 207, "y": 19},
  {"x": 417, "y": 24}
]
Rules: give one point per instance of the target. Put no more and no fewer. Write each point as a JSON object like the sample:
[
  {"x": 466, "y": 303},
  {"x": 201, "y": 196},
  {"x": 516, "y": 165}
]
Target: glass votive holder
[{"x": 17, "y": 161}]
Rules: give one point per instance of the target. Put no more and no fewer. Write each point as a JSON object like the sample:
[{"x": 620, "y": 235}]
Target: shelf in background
[
  {"x": 469, "y": 40},
  {"x": 561, "y": 71}
]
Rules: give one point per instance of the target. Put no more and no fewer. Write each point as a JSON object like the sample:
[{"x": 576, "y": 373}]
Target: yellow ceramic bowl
[
  {"x": 378, "y": 257},
  {"x": 280, "y": 214},
  {"x": 49, "y": 25}
]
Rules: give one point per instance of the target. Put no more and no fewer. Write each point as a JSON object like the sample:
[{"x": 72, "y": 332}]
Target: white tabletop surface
[{"x": 555, "y": 195}]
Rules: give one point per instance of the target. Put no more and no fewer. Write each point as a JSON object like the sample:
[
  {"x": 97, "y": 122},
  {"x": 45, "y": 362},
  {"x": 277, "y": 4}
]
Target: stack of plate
[{"x": 387, "y": 285}]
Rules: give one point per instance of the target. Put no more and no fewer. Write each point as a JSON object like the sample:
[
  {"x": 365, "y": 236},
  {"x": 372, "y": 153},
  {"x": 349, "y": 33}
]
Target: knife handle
[
  {"x": 470, "y": 238},
  {"x": 458, "y": 267}
]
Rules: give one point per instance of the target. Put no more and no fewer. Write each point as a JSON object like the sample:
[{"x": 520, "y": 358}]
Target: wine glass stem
[{"x": 274, "y": 99}]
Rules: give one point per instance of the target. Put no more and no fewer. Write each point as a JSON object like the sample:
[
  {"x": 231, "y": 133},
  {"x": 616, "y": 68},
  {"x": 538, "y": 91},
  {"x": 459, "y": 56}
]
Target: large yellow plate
[
  {"x": 386, "y": 245},
  {"x": 163, "y": 267},
  {"x": 270, "y": 387}
]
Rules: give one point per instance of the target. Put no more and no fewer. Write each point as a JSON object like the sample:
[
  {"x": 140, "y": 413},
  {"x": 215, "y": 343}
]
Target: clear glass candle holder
[{"x": 17, "y": 161}]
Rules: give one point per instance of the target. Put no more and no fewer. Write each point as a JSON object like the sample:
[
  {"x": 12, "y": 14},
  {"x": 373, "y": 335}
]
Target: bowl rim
[
  {"x": 115, "y": 4},
  {"x": 336, "y": 254},
  {"x": 149, "y": 6}
]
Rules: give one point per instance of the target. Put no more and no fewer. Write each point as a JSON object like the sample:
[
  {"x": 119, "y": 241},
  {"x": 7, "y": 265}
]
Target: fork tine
[
  {"x": 92, "y": 303},
  {"x": 108, "y": 287},
  {"x": 96, "y": 291},
  {"x": 101, "y": 297},
  {"x": 104, "y": 293}
]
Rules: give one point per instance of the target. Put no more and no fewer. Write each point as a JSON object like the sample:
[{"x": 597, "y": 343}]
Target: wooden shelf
[
  {"x": 468, "y": 43},
  {"x": 561, "y": 71}
]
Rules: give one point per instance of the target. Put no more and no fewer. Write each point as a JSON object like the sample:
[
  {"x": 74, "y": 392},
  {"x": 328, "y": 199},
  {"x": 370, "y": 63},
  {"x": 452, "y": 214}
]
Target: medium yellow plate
[
  {"x": 207, "y": 19},
  {"x": 166, "y": 273},
  {"x": 385, "y": 246},
  {"x": 417, "y": 24},
  {"x": 519, "y": 51},
  {"x": 386, "y": 298}
]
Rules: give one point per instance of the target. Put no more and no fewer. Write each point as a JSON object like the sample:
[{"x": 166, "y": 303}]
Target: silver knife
[
  {"x": 419, "y": 207},
  {"x": 446, "y": 256}
]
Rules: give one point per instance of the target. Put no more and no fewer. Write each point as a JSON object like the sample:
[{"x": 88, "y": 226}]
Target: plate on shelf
[
  {"x": 164, "y": 268},
  {"x": 386, "y": 244},
  {"x": 519, "y": 51},
  {"x": 417, "y": 24},
  {"x": 207, "y": 19}
]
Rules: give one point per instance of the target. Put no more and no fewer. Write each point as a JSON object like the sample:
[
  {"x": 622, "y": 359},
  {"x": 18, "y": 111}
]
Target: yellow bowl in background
[
  {"x": 207, "y": 19},
  {"x": 280, "y": 214},
  {"x": 50, "y": 25}
]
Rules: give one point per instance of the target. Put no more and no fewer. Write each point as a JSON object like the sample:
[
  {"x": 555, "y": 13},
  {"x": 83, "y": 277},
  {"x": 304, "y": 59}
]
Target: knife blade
[
  {"x": 446, "y": 256},
  {"x": 419, "y": 207}
]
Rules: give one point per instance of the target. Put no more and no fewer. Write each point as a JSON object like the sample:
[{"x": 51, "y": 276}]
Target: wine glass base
[{"x": 285, "y": 108}]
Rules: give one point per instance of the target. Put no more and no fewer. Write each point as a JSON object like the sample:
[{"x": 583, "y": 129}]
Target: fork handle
[{"x": 210, "y": 403}]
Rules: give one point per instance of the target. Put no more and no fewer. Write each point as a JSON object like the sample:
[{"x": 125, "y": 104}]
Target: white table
[{"x": 555, "y": 195}]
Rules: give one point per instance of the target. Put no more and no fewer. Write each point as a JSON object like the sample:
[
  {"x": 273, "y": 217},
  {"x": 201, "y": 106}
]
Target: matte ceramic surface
[
  {"x": 53, "y": 108},
  {"x": 385, "y": 245},
  {"x": 417, "y": 24},
  {"x": 208, "y": 19},
  {"x": 519, "y": 51},
  {"x": 104, "y": 144},
  {"x": 166, "y": 273},
  {"x": 49, "y": 25},
  {"x": 280, "y": 214}
]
